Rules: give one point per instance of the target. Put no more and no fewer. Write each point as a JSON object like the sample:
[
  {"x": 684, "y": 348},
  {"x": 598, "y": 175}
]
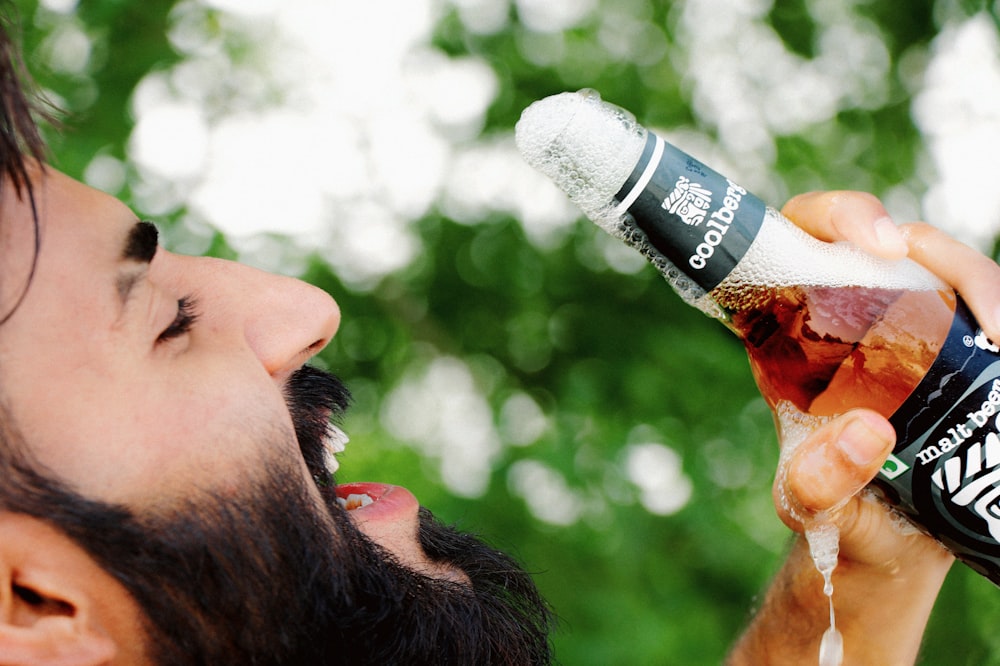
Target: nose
[{"x": 284, "y": 321}]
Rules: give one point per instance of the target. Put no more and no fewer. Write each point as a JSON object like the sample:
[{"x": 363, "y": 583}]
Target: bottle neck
[{"x": 698, "y": 219}]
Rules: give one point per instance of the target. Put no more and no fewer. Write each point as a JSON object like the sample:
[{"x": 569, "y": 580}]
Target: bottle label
[
  {"x": 945, "y": 470},
  {"x": 701, "y": 221}
]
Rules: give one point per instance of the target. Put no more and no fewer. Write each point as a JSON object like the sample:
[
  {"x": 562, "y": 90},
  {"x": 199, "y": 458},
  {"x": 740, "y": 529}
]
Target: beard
[{"x": 273, "y": 576}]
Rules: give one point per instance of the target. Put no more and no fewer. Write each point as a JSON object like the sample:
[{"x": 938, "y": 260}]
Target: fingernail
[
  {"x": 889, "y": 236},
  {"x": 864, "y": 440}
]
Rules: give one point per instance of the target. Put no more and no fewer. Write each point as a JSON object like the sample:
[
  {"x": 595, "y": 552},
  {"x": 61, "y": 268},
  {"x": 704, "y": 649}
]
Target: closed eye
[{"x": 187, "y": 315}]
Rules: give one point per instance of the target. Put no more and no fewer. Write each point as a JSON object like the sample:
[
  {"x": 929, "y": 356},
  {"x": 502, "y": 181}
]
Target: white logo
[
  {"x": 688, "y": 201},
  {"x": 985, "y": 343},
  {"x": 973, "y": 480}
]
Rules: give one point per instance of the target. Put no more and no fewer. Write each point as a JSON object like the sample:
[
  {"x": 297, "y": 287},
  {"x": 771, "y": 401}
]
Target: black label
[
  {"x": 700, "y": 220},
  {"x": 945, "y": 470}
]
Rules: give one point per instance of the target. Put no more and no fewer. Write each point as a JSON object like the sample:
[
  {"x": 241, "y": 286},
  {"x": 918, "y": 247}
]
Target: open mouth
[
  {"x": 354, "y": 496},
  {"x": 377, "y": 502},
  {"x": 365, "y": 501}
]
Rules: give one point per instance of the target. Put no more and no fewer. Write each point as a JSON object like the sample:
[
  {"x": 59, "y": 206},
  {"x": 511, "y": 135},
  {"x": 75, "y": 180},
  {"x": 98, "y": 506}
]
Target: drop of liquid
[
  {"x": 824, "y": 546},
  {"x": 831, "y": 648}
]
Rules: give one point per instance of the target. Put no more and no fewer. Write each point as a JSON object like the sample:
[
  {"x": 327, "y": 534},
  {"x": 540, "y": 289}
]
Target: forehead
[{"x": 61, "y": 203}]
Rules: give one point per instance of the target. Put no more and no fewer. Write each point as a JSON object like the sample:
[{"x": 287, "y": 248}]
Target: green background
[{"x": 611, "y": 359}]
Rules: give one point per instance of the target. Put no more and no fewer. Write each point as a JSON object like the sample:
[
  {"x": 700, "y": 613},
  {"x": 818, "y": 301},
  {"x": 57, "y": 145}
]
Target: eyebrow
[
  {"x": 141, "y": 242},
  {"x": 140, "y": 246}
]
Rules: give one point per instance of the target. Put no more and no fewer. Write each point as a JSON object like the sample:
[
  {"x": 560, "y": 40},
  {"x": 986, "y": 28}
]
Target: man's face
[
  {"x": 117, "y": 398},
  {"x": 164, "y": 397}
]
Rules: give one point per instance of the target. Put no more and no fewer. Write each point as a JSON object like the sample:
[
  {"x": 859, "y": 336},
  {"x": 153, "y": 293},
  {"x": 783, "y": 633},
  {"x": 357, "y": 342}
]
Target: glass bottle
[{"x": 827, "y": 327}]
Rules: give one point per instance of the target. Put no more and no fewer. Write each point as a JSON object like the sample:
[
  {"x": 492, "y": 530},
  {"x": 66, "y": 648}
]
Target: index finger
[
  {"x": 853, "y": 216},
  {"x": 974, "y": 275},
  {"x": 862, "y": 219}
]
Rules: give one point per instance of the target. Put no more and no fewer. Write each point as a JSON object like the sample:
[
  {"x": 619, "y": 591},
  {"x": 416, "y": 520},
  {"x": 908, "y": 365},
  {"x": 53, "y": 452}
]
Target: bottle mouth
[{"x": 585, "y": 145}]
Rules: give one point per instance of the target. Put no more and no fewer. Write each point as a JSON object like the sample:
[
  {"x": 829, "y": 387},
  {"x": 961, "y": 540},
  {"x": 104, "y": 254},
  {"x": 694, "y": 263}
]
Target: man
[{"x": 166, "y": 489}]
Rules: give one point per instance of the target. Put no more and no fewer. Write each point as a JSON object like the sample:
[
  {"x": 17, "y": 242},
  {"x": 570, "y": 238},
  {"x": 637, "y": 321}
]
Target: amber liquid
[{"x": 831, "y": 349}]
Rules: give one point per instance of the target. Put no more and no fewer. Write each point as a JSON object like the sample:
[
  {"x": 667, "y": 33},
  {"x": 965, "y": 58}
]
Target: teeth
[
  {"x": 355, "y": 500},
  {"x": 336, "y": 438},
  {"x": 334, "y": 442}
]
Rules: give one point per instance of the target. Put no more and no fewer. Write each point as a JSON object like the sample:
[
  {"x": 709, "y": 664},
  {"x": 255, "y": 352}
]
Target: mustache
[{"x": 316, "y": 399}]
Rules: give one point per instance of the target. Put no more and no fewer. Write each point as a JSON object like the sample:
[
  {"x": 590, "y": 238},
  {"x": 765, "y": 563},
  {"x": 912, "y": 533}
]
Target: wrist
[{"x": 881, "y": 609}]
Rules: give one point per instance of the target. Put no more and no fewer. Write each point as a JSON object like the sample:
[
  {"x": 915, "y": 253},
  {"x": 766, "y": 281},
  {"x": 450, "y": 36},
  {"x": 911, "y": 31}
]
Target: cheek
[
  {"x": 207, "y": 436},
  {"x": 129, "y": 441}
]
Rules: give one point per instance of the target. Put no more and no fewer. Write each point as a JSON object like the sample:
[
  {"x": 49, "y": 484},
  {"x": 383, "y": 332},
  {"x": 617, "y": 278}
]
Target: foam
[
  {"x": 585, "y": 145},
  {"x": 589, "y": 148},
  {"x": 824, "y": 546},
  {"x": 777, "y": 258}
]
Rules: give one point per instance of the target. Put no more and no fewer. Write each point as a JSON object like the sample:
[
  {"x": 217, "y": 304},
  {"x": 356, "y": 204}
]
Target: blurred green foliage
[{"x": 611, "y": 359}]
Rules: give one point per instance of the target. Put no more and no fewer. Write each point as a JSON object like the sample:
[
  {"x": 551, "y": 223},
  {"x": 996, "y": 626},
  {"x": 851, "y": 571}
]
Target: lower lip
[{"x": 391, "y": 502}]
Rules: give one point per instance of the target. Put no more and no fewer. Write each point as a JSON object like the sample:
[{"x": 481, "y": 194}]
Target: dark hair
[{"x": 21, "y": 107}]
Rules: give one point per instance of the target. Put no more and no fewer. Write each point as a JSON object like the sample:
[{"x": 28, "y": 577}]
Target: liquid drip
[
  {"x": 831, "y": 649},
  {"x": 824, "y": 545},
  {"x": 822, "y": 536}
]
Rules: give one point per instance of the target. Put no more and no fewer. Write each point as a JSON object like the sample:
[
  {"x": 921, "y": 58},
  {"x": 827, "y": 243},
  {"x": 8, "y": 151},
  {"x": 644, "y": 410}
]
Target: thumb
[{"x": 831, "y": 465}]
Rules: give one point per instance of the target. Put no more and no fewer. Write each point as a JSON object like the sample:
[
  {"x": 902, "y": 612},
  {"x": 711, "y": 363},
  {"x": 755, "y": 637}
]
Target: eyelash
[{"x": 187, "y": 315}]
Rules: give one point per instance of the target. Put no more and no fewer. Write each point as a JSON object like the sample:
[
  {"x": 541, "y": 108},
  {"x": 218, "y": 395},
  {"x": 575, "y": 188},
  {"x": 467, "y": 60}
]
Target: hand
[
  {"x": 839, "y": 459},
  {"x": 888, "y": 574}
]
